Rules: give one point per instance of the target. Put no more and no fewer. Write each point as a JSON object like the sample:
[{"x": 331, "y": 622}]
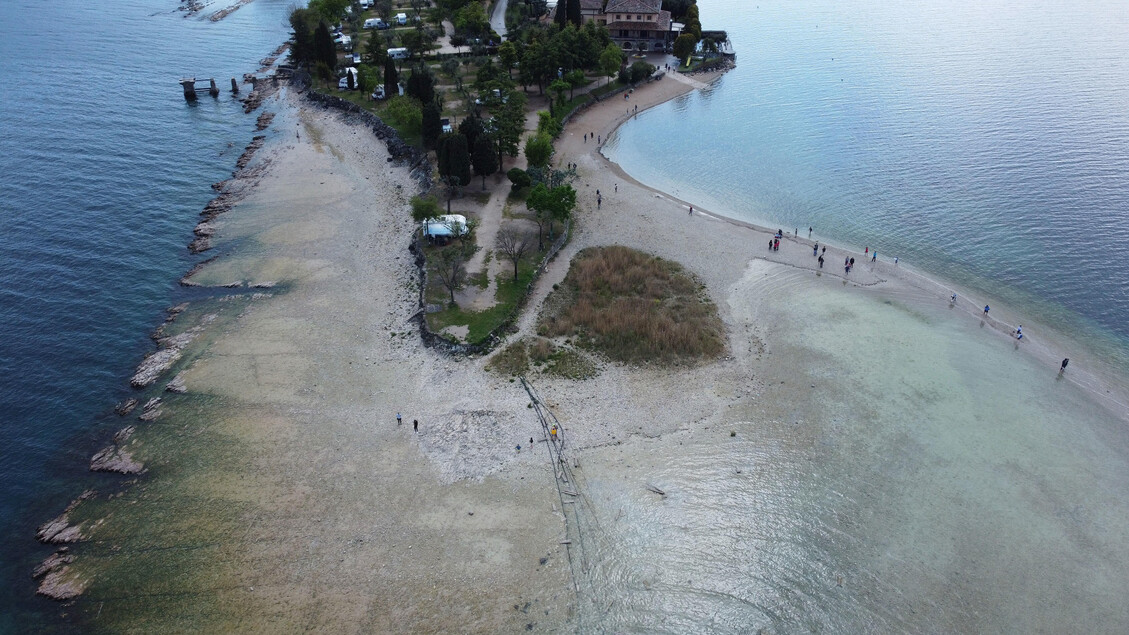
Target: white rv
[
  {"x": 398, "y": 53},
  {"x": 402, "y": 18}
]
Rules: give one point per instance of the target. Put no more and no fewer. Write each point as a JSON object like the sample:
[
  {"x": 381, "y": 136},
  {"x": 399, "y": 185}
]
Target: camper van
[
  {"x": 375, "y": 23},
  {"x": 398, "y": 53},
  {"x": 402, "y": 18},
  {"x": 344, "y": 42},
  {"x": 343, "y": 83},
  {"x": 366, "y": 4}
]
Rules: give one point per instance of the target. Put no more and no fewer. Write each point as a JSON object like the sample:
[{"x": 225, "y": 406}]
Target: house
[{"x": 635, "y": 25}]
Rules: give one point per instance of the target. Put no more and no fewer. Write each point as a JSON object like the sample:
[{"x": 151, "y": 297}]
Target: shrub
[
  {"x": 406, "y": 112},
  {"x": 519, "y": 178},
  {"x": 633, "y": 307}
]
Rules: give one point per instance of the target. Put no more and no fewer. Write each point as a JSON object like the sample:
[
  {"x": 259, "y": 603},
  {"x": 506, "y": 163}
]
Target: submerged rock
[
  {"x": 177, "y": 384},
  {"x": 115, "y": 458},
  {"x": 125, "y": 407},
  {"x": 61, "y": 584},
  {"x": 59, "y": 530}
]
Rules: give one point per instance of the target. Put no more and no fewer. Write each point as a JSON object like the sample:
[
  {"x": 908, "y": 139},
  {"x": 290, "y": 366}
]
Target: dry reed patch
[{"x": 634, "y": 308}]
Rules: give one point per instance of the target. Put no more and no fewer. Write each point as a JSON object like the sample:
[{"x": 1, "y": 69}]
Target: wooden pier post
[
  {"x": 189, "y": 86},
  {"x": 212, "y": 90},
  {"x": 234, "y": 86}
]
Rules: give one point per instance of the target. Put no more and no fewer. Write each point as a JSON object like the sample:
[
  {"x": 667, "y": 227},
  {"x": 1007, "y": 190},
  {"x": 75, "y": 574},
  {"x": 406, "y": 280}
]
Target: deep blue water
[
  {"x": 987, "y": 142},
  {"x": 103, "y": 170}
]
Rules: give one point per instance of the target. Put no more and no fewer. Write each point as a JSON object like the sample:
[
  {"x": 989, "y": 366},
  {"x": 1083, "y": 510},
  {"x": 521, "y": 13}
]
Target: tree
[
  {"x": 414, "y": 41},
  {"x": 509, "y": 124},
  {"x": 425, "y": 208},
  {"x": 302, "y": 37},
  {"x": 548, "y": 124},
  {"x": 684, "y": 46},
  {"x": 512, "y": 246},
  {"x": 519, "y": 178},
  {"x": 507, "y": 54},
  {"x": 483, "y": 157},
  {"x": 391, "y": 79},
  {"x": 405, "y": 112},
  {"x": 561, "y": 16},
  {"x": 610, "y": 60},
  {"x": 558, "y": 88},
  {"x": 454, "y": 163},
  {"x": 421, "y": 85},
  {"x": 548, "y": 205},
  {"x": 325, "y": 51},
  {"x": 471, "y": 128},
  {"x": 472, "y": 19},
  {"x": 573, "y": 12},
  {"x": 431, "y": 127},
  {"x": 575, "y": 79},
  {"x": 376, "y": 52},
  {"x": 452, "y": 267},
  {"x": 538, "y": 150}
]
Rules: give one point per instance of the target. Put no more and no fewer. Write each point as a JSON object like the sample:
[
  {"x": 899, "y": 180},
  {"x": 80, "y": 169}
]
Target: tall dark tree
[
  {"x": 471, "y": 128},
  {"x": 421, "y": 85},
  {"x": 391, "y": 79},
  {"x": 432, "y": 127},
  {"x": 483, "y": 157},
  {"x": 302, "y": 37},
  {"x": 561, "y": 16},
  {"x": 325, "y": 51},
  {"x": 454, "y": 160},
  {"x": 574, "y": 12}
]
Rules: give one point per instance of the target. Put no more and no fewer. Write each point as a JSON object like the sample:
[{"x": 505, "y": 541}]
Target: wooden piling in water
[
  {"x": 189, "y": 86},
  {"x": 234, "y": 86},
  {"x": 212, "y": 89}
]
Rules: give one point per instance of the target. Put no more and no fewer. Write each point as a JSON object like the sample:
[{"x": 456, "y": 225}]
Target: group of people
[{"x": 774, "y": 242}]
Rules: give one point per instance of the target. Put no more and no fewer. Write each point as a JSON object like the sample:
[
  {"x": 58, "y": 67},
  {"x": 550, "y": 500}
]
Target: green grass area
[
  {"x": 562, "y": 109},
  {"x": 481, "y": 323},
  {"x": 606, "y": 88},
  {"x": 634, "y": 308},
  {"x": 541, "y": 355}
]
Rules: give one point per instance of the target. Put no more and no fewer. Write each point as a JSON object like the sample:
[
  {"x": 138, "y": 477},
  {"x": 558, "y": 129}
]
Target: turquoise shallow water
[
  {"x": 931, "y": 479},
  {"x": 987, "y": 143},
  {"x": 103, "y": 170}
]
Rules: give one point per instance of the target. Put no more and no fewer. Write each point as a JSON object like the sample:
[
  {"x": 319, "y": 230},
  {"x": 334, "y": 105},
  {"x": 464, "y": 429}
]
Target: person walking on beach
[
  {"x": 852, "y": 261},
  {"x": 815, "y": 249},
  {"x": 585, "y": 137},
  {"x": 617, "y": 188},
  {"x": 599, "y": 201},
  {"x": 1062, "y": 369},
  {"x": 986, "y": 307},
  {"x": 597, "y": 192},
  {"x": 809, "y": 232},
  {"x": 397, "y": 418},
  {"x": 895, "y": 260},
  {"x": 821, "y": 262},
  {"x": 691, "y": 210},
  {"x": 415, "y": 425},
  {"x": 874, "y": 256},
  {"x": 953, "y": 300},
  {"x": 825, "y": 249},
  {"x": 866, "y": 251},
  {"x": 770, "y": 244}
]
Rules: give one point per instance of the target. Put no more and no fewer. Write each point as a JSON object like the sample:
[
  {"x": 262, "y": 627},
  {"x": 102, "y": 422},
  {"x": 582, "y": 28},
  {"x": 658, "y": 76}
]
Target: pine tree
[{"x": 484, "y": 160}]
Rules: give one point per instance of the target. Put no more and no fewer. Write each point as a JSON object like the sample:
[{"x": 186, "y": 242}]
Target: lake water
[
  {"x": 986, "y": 142},
  {"x": 103, "y": 170}
]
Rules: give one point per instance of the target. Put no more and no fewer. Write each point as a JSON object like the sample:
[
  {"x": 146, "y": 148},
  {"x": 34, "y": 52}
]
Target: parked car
[
  {"x": 402, "y": 18},
  {"x": 446, "y": 125},
  {"x": 378, "y": 93}
]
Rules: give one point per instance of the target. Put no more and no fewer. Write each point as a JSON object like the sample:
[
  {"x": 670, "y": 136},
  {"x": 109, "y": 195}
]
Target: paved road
[{"x": 498, "y": 19}]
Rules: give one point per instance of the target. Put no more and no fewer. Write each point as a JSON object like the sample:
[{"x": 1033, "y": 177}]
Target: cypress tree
[
  {"x": 574, "y": 12},
  {"x": 483, "y": 158},
  {"x": 391, "y": 79},
  {"x": 432, "y": 127},
  {"x": 561, "y": 16},
  {"x": 325, "y": 51}
]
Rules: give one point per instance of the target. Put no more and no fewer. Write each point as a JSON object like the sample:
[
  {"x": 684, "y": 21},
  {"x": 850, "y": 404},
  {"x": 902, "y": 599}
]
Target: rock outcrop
[
  {"x": 58, "y": 581},
  {"x": 115, "y": 458},
  {"x": 170, "y": 350},
  {"x": 60, "y": 530}
]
